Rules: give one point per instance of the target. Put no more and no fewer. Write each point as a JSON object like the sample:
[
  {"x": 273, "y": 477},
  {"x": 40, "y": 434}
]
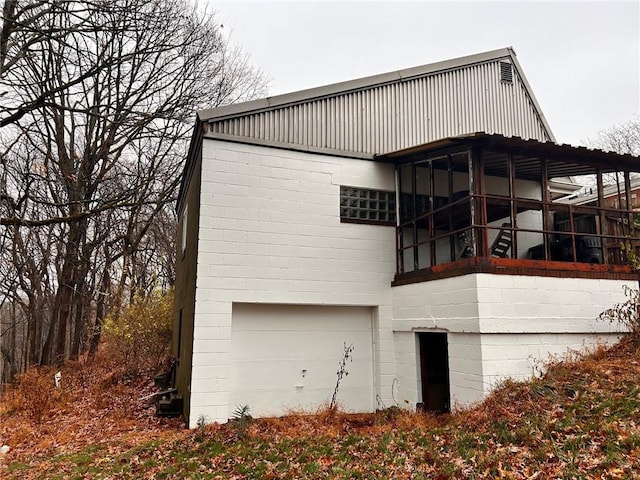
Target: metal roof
[
  {"x": 393, "y": 110},
  {"x": 609, "y": 190},
  {"x": 356, "y": 84},
  {"x": 563, "y": 160}
]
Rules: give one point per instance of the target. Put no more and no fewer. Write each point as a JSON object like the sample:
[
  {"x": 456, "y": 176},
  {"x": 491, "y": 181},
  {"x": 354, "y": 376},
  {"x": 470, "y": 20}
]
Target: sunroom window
[{"x": 465, "y": 203}]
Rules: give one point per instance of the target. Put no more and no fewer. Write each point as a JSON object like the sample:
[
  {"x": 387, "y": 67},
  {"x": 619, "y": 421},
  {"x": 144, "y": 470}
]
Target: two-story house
[{"x": 410, "y": 215}]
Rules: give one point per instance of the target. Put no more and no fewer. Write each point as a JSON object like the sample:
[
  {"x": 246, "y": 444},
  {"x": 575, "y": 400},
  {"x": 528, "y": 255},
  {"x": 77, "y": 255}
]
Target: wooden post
[
  {"x": 604, "y": 228},
  {"x": 414, "y": 224},
  {"x": 546, "y": 224},
  {"x": 432, "y": 227},
  {"x": 513, "y": 207},
  {"x": 478, "y": 204}
]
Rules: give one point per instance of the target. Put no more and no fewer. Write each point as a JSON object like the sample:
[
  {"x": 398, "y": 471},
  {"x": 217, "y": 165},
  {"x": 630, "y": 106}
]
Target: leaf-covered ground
[{"x": 581, "y": 420}]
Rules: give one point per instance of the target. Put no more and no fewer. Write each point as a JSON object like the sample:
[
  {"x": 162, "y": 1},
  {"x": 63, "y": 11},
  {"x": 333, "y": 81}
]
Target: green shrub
[{"x": 138, "y": 340}]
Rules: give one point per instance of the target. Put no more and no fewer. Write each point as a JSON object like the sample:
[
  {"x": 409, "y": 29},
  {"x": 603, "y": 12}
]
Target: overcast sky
[{"x": 581, "y": 58}]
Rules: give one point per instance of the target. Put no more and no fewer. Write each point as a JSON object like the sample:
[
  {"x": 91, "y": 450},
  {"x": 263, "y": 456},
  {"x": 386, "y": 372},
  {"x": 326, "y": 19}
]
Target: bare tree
[
  {"x": 623, "y": 138},
  {"x": 99, "y": 98}
]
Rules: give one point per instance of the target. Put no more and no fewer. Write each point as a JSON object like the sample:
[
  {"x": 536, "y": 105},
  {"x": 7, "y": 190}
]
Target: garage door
[{"x": 285, "y": 358}]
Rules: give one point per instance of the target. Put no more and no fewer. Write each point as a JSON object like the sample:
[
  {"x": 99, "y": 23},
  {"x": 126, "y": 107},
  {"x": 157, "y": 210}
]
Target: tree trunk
[
  {"x": 82, "y": 303},
  {"x": 101, "y": 310},
  {"x": 55, "y": 350},
  {"x": 78, "y": 327},
  {"x": 8, "y": 348},
  {"x": 33, "y": 337}
]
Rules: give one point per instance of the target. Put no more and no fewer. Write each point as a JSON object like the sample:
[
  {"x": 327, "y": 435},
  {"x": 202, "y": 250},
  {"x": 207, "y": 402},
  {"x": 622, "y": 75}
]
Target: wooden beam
[{"x": 513, "y": 266}]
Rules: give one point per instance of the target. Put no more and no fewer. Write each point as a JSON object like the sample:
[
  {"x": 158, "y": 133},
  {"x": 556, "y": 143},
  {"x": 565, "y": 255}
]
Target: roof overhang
[{"x": 562, "y": 160}]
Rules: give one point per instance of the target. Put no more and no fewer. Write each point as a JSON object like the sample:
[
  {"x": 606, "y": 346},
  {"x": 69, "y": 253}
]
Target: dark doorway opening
[{"x": 434, "y": 371}]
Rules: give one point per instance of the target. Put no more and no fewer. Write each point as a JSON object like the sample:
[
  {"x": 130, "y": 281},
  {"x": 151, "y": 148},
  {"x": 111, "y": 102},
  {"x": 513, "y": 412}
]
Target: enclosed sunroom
[
  {"x": 483, "y": 203},
  {"x": 495, "y": 270}
]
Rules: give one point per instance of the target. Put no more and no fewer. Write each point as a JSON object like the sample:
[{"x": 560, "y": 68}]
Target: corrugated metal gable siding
[{"x": 399, "y": 115}]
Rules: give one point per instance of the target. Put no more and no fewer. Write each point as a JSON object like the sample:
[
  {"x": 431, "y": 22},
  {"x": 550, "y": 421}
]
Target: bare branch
[{"x": 97, "y": 102}]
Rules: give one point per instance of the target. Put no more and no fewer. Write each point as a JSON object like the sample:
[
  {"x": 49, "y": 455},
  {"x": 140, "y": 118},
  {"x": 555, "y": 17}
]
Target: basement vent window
[
  {"x": 506, "y": 72},
  {"x": 362, "y": 205}
]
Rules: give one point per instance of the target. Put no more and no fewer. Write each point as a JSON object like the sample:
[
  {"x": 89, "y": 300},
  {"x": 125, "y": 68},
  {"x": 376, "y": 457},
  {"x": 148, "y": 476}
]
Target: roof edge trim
[
  {"x": 191, "y": 160},
  {"x": 493, "y": 140},
  {"x": 288, "y": 146},
  {"x": 533, "y": 98}
]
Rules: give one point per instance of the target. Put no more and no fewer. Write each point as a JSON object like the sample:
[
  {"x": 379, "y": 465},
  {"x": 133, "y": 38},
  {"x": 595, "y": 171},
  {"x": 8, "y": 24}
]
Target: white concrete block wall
[
  {"x": 528, "y": 304},
  {"x": 465, "y": 369},
  {"x": 270, "y": 232},
  {"x": 499, "y": 326},
  {"x": 449, "y": 305},
  {"x": 288, "y": 237},
  {"x": 466, "y": 376},
  {"x": 521, "y": 356},
  {"x": 526, "y": 320},
  {"x": 405, "y": 386}
]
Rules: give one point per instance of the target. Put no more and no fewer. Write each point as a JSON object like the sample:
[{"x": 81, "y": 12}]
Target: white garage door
[{"x": 285, "y": 358}]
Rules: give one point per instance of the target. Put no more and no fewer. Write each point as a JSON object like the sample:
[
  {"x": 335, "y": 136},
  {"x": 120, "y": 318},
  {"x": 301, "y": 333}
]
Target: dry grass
[
  {"x": 92, "y": 404},
  {"x": 579, "y": 420}
]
